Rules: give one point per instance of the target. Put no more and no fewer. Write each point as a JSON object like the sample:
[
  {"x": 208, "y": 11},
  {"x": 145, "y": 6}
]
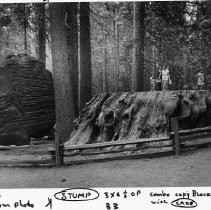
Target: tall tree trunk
[
  {"x": 85, "y": 89},
  {"x": 65, "y": 112},
  {"x": 153, "y": 61},
  {"x": 41, "y": 36},
  {"x": 133, "y": 84},
  {"x": 208, "y": 71},
  {"x": 117, "y": 53},
  {"x": 72, "y": 38},
  {"x": 105, "y": 79},
  {"x": 116, "y": 41},
  {"x": 185, "y": 68},
  {"x": 140, "y": 46},
  {"x": 25, "y": 27}
]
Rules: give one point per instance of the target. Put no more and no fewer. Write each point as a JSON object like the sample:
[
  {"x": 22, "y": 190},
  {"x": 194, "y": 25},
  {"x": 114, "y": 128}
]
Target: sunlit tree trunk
[
  {"x": 25, "y": 27},
  {"x": 133, "y": 84}
]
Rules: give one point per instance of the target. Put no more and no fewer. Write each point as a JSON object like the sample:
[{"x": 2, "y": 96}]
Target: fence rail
[
  {"x": 192, "y": 131},
  {"x": 177, "y": 142},
  {"x": 110, "y": 144},
  {"x": 34, "y": 155},
  {"x": 50, "y": 154}
]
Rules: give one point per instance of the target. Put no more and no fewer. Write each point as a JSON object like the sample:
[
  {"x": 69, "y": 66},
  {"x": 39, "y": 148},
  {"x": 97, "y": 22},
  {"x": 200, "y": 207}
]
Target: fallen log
[{"x": 126, "y": 116}]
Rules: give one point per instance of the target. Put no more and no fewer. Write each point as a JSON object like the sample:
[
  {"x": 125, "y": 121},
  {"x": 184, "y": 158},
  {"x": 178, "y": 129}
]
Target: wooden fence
[
  {"x": 46, "y": 153},
  {"x": 34, "y": 155},
  {"x": 177, "y": 142}
]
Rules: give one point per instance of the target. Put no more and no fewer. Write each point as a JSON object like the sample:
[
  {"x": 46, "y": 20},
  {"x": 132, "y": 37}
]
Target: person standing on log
[
  {"x": 200, "y": 80},
  {"x": 159, "y": 81},
  {"x": 152, "y": 83},
  {"x": 165, "y": 79}
]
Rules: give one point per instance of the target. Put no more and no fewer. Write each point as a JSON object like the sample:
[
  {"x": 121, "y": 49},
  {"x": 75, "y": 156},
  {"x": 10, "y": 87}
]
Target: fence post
[
  {"x": 57, "y": 150},
  {"x": 174, "y": 125}
]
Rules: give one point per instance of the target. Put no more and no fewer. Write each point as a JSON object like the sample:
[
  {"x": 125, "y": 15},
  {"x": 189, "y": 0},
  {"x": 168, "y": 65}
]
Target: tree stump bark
[{"x": 125, "y": 116}]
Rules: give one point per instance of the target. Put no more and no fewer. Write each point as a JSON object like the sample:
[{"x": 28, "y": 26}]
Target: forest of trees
[{"x": 101, "y": 47}]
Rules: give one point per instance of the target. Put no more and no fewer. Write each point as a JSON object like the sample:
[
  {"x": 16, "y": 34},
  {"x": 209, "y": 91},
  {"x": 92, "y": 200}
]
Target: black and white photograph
[{"x": 105, "y": 94}]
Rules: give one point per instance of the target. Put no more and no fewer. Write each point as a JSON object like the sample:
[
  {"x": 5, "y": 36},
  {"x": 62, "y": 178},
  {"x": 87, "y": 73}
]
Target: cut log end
[{"x": 26, "y": 100}]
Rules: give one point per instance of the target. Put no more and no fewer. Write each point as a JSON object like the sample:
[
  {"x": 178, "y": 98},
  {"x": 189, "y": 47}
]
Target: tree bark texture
[
  {"x": 116, "y": 51},
  {"x": 185, "y": 69},
  {"x": 208, "y": 70},
  {"x": 105, "y": 76},
  {"x": 65, "y": 110},
  {"x": 133, "y": 84},
  {"x": 25, "y": 28},
  {"x": 27, "y": 107},
  {"x": 126, "y": 116},
  {"x": 41, "y": 36},
  {"x": 72, "y": 40},
  {"x": 85, "y": 56},
  {"x": 105, "y": 79},
  {"x": 140, "y": 46}
]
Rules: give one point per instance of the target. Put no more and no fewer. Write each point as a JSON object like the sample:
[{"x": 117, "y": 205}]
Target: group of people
[{"x": 163, "y": 82}]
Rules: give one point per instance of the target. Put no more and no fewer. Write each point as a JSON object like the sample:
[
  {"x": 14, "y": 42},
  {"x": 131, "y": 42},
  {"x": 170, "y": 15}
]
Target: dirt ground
[{"x": 190, "y": 169}]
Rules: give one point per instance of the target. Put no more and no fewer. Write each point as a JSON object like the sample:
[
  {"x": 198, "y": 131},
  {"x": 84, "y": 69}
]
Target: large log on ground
[
  {"x": 125, "y": 116},
  {"x": 27, "y": 107}
]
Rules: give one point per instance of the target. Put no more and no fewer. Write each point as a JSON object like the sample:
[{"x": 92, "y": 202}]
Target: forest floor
[{"x": 190, "y": 169}]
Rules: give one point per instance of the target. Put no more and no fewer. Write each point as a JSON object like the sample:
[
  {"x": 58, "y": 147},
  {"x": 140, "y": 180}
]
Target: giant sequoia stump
[
  {"x": 125, "y": 116},
  {"x": 27, "y": 106}
]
